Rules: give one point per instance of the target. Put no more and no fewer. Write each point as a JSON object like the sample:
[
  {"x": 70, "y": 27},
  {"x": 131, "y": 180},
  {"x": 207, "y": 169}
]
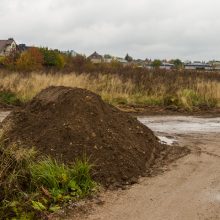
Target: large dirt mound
[{"x": 68, "y": 123}]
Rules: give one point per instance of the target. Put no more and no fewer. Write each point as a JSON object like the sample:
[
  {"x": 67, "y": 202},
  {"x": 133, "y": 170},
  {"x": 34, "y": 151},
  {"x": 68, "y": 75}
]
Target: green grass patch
[
  {"x": 31, "y": 189},
  {"x": 9, "y": 98},
  {"x": 119, "y": 101},
  {"x": 189, "y": 98},
  {"x": 142, "y": 99}
]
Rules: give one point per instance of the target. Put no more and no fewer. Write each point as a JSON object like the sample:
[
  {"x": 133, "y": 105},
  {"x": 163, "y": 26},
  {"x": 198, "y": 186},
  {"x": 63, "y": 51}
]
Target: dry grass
[
  {"x": 27, "y": 87},
  {"x": 153, "y": 90}
]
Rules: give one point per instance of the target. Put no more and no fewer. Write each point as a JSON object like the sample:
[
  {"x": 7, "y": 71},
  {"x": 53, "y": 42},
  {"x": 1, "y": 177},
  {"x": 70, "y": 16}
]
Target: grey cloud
[{"x": 186, "y": 29}]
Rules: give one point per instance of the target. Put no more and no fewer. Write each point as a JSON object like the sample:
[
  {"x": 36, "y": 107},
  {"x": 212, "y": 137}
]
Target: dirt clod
[{"x": 68, "y": 123}]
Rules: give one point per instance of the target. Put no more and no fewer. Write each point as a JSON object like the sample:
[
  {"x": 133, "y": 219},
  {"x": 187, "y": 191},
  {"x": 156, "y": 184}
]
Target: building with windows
[
  {"x": 96, "y": 58},
  {"x": 7, "y": 47},
  {"x": 198, "y": 66}
]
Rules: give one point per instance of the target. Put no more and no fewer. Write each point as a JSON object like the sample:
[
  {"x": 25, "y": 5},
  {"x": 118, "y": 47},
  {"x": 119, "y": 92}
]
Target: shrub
[
  {"x": 52, "y": 58},
  {"x": 30, "y": 60},
  {"x": 10, "y": 61},
  {"x": 156, "y": 63},
  {"x": 2, "y": 60}
]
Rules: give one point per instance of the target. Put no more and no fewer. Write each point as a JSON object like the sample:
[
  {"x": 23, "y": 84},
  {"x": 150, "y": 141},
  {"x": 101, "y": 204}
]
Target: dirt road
[{"x": 188, "y": 190}]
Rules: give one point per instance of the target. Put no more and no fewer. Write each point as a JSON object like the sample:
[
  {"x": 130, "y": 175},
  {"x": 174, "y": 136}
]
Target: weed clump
[
  {"x": 32, "y": 188},
  {"x": 189, "y": 98},
  {"x": 61, "y": 179},
  {"x": 9, "y": 98}
]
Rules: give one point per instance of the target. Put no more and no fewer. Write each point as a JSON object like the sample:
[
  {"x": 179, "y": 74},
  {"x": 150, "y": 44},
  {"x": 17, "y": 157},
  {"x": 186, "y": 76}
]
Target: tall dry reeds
[{"x": 163, "y": 88}]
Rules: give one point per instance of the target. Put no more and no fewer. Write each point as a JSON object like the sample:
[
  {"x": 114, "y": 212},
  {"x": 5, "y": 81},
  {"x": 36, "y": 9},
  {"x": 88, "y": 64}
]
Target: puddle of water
[
  {"x": 181, "y": 124},
  {"x": 166, "y": 140}
]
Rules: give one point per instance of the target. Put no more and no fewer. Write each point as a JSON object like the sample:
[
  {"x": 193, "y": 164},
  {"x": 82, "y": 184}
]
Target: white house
[
  {"x": 122, "y": 61},
  {"x": 108, "y": 58},
  {"x": 96, "y": 58},
  {"x": 197, "y": 66},
  {"x": 215, "y": 64},
  {"x": 7, "y": 46},
  {"x": 166, "y": 66}
]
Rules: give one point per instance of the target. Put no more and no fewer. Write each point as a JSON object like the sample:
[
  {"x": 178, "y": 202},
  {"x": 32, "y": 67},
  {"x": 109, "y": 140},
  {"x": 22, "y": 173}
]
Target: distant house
[
  {"x": 215, "y": 64},
  {"x": 149, "y": 66},
  {"x": 163, "y": 66},
  {"x": 198, "y": 66},
  {"x": 167, "y": 66},
  {"x": 7, "y": 47},
  {"x": 96, "y": 58},
  {"x": 122, "y": 61},
  {"x": 148, "y": 63},
  {"x": 139, "y": 63},
  {"x": 108, "y": 58}
]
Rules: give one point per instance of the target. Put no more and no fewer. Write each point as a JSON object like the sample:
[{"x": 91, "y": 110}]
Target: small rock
[{"x": 93, "y": 134}]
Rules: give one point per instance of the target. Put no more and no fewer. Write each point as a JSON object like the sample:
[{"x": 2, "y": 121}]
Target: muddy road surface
[{"x": 188, "y": 190}]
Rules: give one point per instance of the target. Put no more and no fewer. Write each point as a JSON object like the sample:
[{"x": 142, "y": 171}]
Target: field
[{"x": 161, "y": 88}]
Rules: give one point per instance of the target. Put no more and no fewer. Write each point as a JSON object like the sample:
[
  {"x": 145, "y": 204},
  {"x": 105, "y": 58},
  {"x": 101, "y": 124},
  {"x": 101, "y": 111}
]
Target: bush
[
  {"x": 2, "y": 60},
  {"x": 10, "y": 61},
  {"x": 52, "y": 58},
  {"x": 30, "y": 60}
]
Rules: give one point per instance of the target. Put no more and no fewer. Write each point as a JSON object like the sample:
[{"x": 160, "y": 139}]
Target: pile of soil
[{"x": 68, "y": 123}]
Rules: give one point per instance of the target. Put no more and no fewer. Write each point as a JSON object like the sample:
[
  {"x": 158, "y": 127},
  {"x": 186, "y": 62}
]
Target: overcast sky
[{"x": 186, "y": 29}]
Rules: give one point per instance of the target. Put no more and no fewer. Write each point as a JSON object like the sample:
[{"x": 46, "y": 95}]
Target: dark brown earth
[
  {"x": 4, "y": 107},
  {"x": 145, "y": 110},
  {"x": 69, "y": 123}
]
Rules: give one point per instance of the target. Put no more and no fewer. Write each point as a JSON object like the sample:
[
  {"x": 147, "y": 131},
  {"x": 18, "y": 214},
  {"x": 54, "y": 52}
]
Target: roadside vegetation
[
  {"x": 130, "y": 87},
  {"x": 33, "y": 188}
]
